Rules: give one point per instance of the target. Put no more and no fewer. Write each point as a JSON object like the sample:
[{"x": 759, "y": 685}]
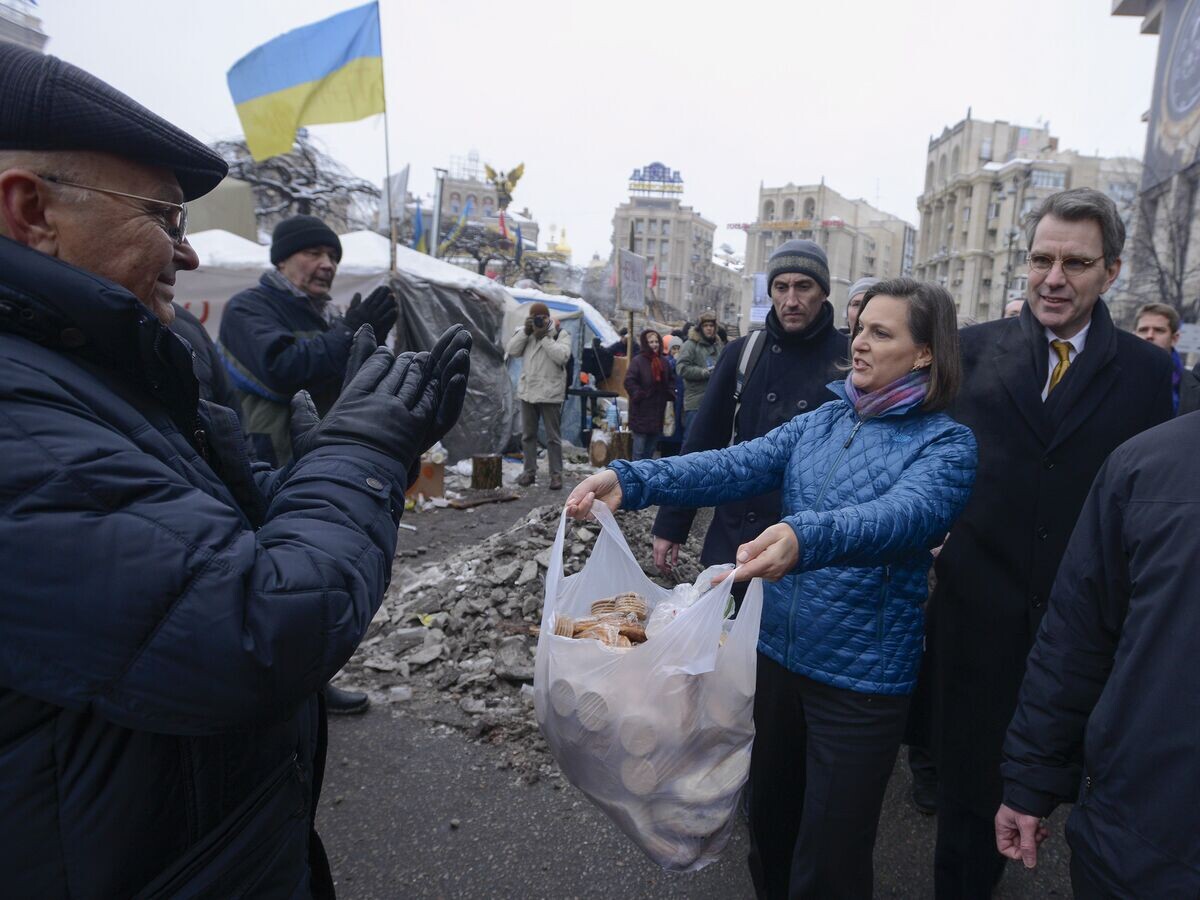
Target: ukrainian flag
[{"x": 330, "y": 71}]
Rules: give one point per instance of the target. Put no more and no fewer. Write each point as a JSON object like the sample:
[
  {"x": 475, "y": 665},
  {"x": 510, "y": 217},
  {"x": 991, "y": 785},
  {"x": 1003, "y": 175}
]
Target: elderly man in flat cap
[
  {"x": 283, "y": 335},
  {"x": 169, "y": 614}
]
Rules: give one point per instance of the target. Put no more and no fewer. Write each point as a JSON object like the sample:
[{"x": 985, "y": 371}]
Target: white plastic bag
[{"x": 658, "y": 736}]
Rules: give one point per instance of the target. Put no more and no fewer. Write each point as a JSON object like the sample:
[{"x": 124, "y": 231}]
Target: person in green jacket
[{"x": 696, "y": 362}]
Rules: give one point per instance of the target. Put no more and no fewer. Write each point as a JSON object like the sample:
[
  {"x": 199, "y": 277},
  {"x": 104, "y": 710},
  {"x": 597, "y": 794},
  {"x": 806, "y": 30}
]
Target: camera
[{"x": 541, "y": 321}]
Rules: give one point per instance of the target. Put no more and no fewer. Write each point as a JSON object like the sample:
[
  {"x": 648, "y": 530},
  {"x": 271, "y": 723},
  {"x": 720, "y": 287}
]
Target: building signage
[
  {"x": 1173, "y": 139},
  {"x": 656, "y": 179}
]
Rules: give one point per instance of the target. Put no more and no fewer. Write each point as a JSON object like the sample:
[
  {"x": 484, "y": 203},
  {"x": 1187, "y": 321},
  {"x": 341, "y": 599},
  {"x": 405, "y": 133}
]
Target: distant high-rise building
[
  {"x": 859, "y": 239},
  {"x": 981, "y": 181},
  {"x": 19, "y": 25},
  {"x": 675, "y": 239}
]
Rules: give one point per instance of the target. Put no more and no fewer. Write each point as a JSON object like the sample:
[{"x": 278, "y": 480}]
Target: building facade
[
  {"x": 982, "y": 179},
  {"x": 1165, "y": 261},
  {"x": 859, "y": 240},
  {"x": 19, "y": 24},
  {"x": 676, "y": 241}
]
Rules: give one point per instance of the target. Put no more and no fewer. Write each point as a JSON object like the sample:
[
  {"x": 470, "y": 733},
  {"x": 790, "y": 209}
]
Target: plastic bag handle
[
  {"x": 554, "y": 571},
  {"x": 608, "y": 522}
]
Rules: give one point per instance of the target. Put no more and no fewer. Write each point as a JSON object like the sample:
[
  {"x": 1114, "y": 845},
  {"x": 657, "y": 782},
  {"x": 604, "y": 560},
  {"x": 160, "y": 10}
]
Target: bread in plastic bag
[{"x": 658, "y": 736}]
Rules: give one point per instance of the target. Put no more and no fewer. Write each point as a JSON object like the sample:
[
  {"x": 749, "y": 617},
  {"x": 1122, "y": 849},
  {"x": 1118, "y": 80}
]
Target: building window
[
  {"x": 810, "y": 208},
  {"x": 666, "y": 228},
  {"x": 769, "y": 211},
  {"x": 473, "y": 200},
  {"x": 966, "y": 214},
  {"x": 1122, "y": 192},
  {"x": 985, "y": 150},
  {"x": 1046, "y": 179},
  {"x": 789, "y": 210},
  {"x": 639, "y": 226},
  {"x": 637, "y": 245},
  {"x": 993, "y": 210}
]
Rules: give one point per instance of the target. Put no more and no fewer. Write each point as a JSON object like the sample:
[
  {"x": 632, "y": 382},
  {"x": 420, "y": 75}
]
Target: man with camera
[{"x": 544, "y": 349}]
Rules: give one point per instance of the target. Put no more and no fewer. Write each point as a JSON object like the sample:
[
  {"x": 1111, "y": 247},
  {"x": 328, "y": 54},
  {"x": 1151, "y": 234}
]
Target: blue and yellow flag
[{"x": 330, "y": 71}]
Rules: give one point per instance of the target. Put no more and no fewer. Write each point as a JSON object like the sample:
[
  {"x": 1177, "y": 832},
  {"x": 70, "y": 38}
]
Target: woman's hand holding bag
[{"x": 771, "y": 555}]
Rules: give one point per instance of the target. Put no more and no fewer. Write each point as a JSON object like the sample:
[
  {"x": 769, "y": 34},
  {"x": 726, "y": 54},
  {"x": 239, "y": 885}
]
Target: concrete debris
[{"x": 457, "y": 630}]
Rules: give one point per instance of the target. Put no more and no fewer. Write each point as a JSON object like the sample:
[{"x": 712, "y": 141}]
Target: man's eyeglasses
[
  {"x": 174, "y": 222},
  {"x": 1071, "y": 265}
]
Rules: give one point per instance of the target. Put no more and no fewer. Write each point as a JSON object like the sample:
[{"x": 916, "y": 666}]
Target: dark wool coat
[
  {"x": 790, "y": 378},
  {"x": 273, "y": 345},
  {"x": 168, "y": 614},
  {"x": 648, "y": 398},
  {"x": 1036, "y": 463},
  {"x": 1113, "y": 674},
  {"x": 206, "y": 361}
]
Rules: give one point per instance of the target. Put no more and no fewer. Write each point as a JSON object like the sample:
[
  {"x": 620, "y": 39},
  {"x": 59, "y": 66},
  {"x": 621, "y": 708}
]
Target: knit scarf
[
  {"x": 907, "y": 392},
  {"x": 656, "y": 364},
  {"x": 319, "y": 305}
]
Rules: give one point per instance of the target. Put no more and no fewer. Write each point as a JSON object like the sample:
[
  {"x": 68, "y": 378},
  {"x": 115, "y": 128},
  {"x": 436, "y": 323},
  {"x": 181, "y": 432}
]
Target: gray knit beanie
[{"x": 804, "y": 257}]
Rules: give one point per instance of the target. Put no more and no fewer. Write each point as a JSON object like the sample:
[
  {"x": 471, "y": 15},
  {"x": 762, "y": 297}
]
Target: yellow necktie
[{"x": 1063, "y": 349}]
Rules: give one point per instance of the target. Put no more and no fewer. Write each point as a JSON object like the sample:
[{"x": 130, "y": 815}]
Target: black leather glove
[
  {"x": 528, "y": 326},
  {"x": 390, "y": 406},
  {"x": 450, "y": 366},
  {"x": 379, "y": 311},
  {"x": 304, "y": 416}
]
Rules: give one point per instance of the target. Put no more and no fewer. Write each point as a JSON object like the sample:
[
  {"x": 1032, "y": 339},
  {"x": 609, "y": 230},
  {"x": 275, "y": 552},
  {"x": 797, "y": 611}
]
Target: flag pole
[{"x": 387, "y": 149}]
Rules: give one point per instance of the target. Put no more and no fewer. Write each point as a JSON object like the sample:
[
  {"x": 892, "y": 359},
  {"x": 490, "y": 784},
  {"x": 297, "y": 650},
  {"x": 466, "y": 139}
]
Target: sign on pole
[
  {"x": 760, "y": 305},
  {"x": 631, "y": 281}
]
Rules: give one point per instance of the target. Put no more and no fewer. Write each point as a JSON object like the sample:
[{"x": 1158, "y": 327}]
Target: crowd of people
[{"x": 976, "y": 541}]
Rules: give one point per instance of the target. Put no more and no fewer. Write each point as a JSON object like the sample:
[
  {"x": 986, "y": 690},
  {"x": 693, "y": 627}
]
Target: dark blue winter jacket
[
  {"x": 1109, "y": 715},
  {"x": 168, "y": 615},
  {"x": 274, "y": 344},
  {"x": 866, "y": 499}
]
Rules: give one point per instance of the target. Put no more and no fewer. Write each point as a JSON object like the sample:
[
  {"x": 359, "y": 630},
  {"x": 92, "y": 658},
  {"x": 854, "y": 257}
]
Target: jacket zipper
[
  {"x": 815, "y": 507},
  {"x": 884, "y": 590}
]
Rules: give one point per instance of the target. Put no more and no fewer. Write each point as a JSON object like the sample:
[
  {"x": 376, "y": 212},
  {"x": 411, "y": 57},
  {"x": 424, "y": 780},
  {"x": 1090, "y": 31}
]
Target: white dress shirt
[{"x": 1077, "y": 343}]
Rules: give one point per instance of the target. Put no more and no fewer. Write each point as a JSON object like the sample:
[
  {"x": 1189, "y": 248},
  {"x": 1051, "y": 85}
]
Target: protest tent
[{"x": 432, "y": 296}]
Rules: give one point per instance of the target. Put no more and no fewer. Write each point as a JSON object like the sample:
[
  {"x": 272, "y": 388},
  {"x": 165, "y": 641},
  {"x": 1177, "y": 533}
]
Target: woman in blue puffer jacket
[{"x": 870, "y": 482}]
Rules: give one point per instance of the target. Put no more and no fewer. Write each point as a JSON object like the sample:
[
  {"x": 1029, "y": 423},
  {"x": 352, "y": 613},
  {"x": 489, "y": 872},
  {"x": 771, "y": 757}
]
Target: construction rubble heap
[{"x": 459, "y": 629}]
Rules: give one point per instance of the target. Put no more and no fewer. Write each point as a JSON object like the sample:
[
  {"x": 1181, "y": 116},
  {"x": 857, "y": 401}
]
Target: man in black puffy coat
[
  {"x": 169, "y": 612},
  {"x": 1107, "y": 717},
  {"x": 283, "y": 335},
  {"x": 799, "y": 354}
]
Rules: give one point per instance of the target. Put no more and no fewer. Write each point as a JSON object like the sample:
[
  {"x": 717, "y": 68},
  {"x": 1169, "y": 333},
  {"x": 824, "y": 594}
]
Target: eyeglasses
[
  {"x": 174, "y": 223},
  {"x": 1071, "y": 265}
]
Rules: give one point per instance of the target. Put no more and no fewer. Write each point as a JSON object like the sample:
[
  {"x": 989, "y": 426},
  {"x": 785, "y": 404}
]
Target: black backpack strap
[{"x": 747, "y": 360}]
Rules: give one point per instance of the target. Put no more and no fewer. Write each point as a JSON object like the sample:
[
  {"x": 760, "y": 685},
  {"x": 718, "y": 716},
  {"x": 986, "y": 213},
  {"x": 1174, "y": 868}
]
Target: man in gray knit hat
[{"x": 761, "y": 381}]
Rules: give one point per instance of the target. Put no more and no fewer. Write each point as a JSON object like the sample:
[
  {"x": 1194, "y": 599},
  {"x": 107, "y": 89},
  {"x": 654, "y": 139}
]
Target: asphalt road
[{"x": 415, "y": 809}]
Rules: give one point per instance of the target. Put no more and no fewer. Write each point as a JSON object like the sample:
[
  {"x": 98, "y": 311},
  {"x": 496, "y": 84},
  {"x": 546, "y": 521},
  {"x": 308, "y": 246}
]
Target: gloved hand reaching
[
  {"x": 398, "y": 406},
  {"x": 379, "y": 311}
]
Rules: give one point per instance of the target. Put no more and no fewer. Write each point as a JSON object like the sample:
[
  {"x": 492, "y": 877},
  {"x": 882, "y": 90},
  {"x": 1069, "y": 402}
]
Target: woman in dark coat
[{"x": 651, "y": 387}]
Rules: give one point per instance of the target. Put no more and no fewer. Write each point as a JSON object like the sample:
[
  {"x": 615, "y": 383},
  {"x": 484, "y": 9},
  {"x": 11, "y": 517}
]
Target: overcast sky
[{"x": 730, "y": 94}]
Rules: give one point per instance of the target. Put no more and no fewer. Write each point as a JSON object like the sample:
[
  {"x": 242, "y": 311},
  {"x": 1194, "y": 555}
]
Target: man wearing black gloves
[
  {"x": 761, "y": 381},
  {"x": 283, "y": 336},
  {"x": 169, "y": 613}
]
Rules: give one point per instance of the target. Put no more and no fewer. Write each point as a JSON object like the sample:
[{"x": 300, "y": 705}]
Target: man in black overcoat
[{"x": 1049, "y": 394}]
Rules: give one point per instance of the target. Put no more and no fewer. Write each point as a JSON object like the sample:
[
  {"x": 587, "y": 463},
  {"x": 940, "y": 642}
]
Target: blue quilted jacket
[{"x": 867, "y": 499}]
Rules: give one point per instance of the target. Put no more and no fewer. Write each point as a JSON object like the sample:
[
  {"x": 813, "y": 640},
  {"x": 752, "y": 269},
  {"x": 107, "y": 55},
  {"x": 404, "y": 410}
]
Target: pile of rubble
[{"x": 459, "y": 628}]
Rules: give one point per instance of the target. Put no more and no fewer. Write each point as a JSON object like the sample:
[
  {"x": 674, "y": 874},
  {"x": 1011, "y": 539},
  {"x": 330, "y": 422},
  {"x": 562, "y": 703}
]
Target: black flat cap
[{"x": 47, "y": 104}]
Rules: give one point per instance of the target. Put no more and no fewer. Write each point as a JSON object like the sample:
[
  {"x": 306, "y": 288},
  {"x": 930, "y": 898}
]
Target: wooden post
[
  {"x": 486, "y": 472},
  {"x": 621, "y": 446}
]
